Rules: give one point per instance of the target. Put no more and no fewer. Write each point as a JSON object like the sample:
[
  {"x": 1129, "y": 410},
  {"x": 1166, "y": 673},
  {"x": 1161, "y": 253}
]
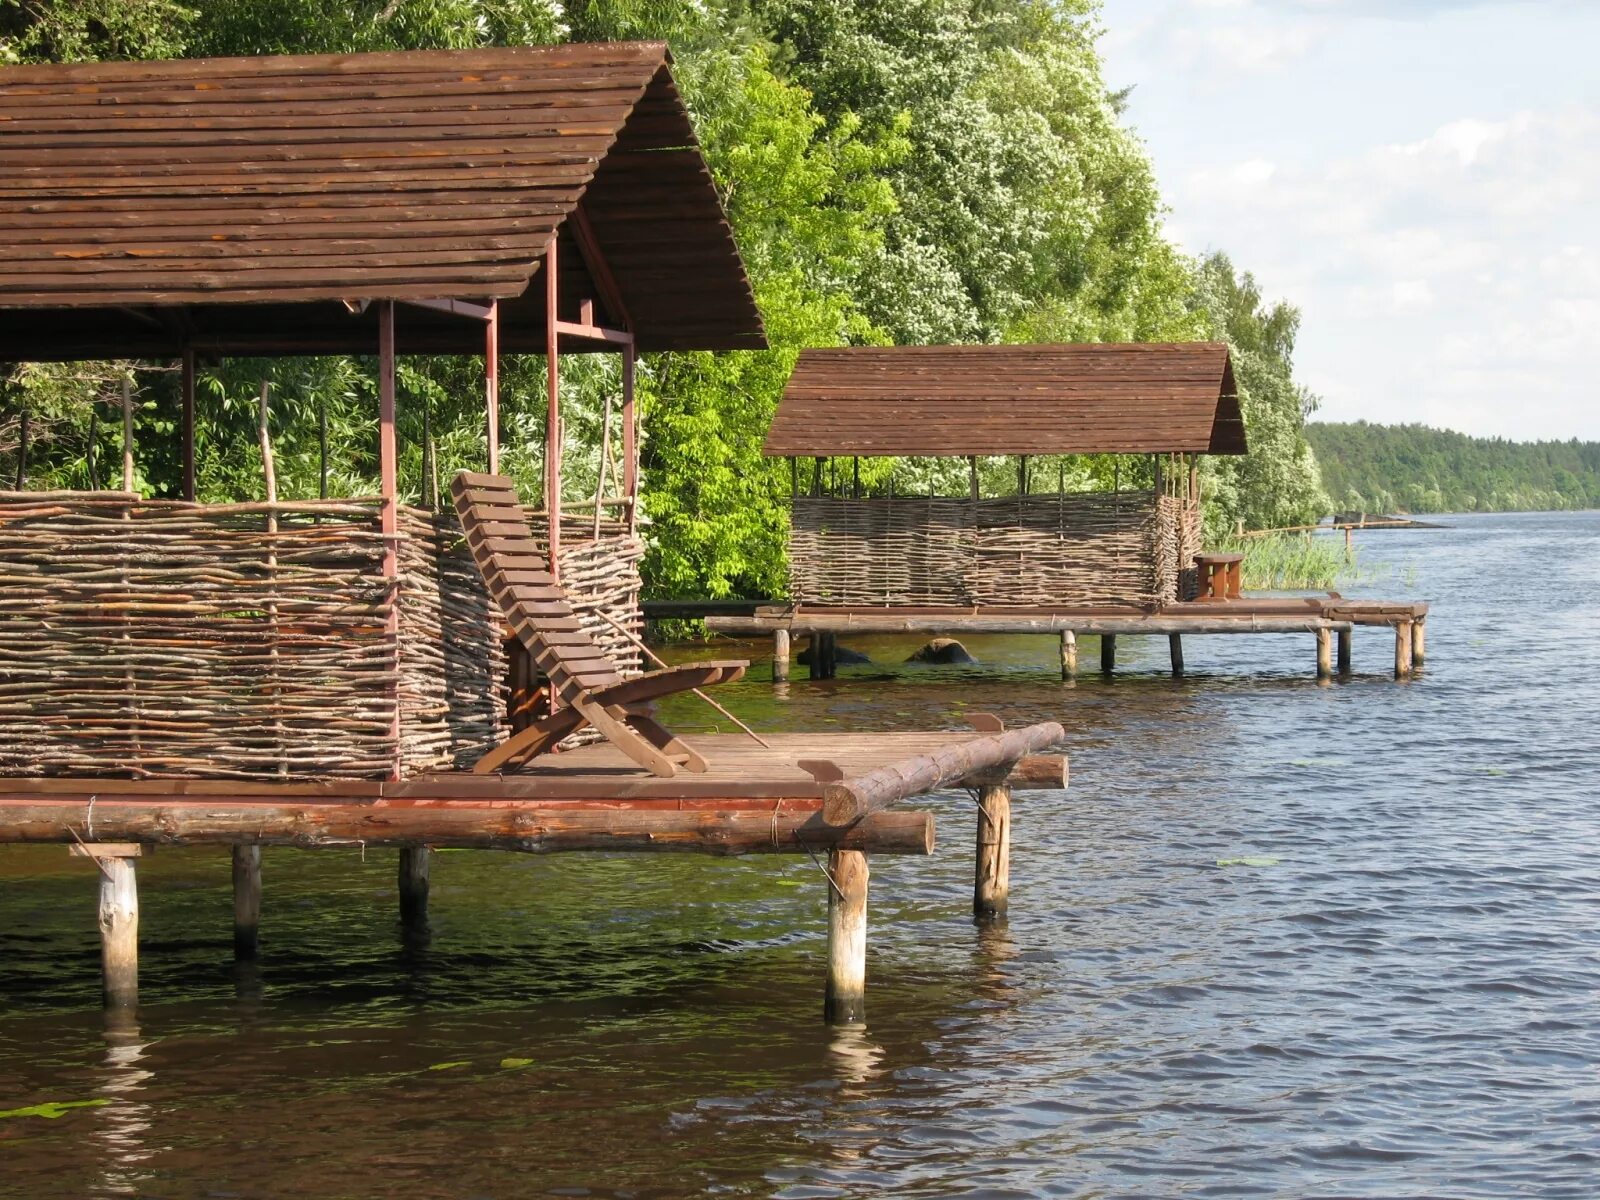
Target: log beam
[
  {"x": 1069, "y": 655},
  {"x": 779, "y": 828},
  {"x": 1402, "y": 649},
  {"x": 118, "y": 920},
  {"x": 1324, "y": 654},
  {"x": 844, "y": 1000},
  {"x": 850, "y": 799}
]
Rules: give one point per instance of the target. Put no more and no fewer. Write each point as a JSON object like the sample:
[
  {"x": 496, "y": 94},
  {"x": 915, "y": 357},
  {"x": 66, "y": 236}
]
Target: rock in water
[{"x": 942, "y": 650}]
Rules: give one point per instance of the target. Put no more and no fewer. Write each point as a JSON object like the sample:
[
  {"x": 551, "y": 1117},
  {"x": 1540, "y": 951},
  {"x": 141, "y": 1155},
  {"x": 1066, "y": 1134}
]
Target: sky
[{"x": 1421, "y": 178}]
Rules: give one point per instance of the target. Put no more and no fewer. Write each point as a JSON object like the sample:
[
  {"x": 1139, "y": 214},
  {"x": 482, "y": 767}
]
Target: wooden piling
[
  {"x": 1402, "y": 649},
  {"x": 991, "y": 887},
  {"x": 413, "y": 883},
  {"x": 1175, "y": 645},
  {"x": 1346, "y": 637},
  {"x": 780, "y": 656},
  {"x": 1069, "y": 654},
  {"x": 845, "y": 996},
  {"x": 824, "y": 655},
  {"x": 119, "y": 920},
  {"x": 246, "y": 901},
  {"x": 1108, "y": 653},
  {"x": 1419, "y": 637},
  {"x": 1324, "y": 654}
]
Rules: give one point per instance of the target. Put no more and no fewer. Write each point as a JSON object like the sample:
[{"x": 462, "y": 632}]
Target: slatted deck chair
[{"x": 583, "y": 678}]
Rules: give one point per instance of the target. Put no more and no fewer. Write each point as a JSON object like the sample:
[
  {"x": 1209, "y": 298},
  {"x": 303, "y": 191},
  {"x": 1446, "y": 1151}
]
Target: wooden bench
[{"x": 1219, "y": 577}]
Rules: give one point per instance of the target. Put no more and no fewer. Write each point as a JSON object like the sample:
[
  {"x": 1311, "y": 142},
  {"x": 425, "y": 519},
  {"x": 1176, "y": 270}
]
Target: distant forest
[{"x": 1412, "y": 468}]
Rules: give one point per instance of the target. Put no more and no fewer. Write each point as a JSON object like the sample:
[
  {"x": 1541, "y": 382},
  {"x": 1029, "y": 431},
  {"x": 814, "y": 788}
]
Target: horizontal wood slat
[
  {"x": 1045, "y": 399},
  {"x": 409, "y": 175}
]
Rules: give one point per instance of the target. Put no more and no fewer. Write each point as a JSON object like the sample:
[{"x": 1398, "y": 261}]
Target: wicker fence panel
[
  {"x": 154, "y": 638},
  {"x": 1082, "y": 548}
]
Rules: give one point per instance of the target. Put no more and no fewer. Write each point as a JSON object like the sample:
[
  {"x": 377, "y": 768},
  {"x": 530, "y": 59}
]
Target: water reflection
[{"x": 122, "y": 1126}]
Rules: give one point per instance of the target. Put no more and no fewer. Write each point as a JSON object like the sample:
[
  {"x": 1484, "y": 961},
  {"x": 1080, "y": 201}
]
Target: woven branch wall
[
  {"x": 153, "y": 638},
  {"x": 1089, "y": 548},
  {"x": 168, "y": 639}
]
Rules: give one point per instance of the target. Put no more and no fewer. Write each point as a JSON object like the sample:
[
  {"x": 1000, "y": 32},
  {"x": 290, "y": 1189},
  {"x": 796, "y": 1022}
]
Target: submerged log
[
  {"x": 781, "y": 828},
  {"x": 850, "y": 799}
]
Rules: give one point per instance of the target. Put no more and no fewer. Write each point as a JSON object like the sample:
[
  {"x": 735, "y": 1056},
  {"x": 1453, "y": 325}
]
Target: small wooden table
[{"x": 1219, "y": 576}]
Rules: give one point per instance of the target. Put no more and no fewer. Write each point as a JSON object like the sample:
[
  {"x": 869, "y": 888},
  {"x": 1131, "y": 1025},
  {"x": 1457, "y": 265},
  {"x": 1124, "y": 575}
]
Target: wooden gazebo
[
  {"x": 547, "y": 200},
  {"x": 1040, "y": 547}
]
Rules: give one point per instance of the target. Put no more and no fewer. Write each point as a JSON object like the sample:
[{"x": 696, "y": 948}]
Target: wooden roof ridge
[
  {"x": 304, "y": 179},
  {"x": 1085, "y": 398}
]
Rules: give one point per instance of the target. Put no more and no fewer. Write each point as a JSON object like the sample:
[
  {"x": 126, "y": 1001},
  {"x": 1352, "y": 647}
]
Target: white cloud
[{"x": 1465, "y": 267}]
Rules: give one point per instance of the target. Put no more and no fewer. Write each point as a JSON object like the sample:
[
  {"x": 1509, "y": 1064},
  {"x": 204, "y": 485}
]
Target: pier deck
[{"x": 1324, "y": 617}]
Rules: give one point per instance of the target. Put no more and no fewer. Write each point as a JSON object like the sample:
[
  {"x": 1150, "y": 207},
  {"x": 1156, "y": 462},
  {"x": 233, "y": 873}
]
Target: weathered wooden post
[
  {"x": 1069, "y": 654},
  {"x": 1108, "y": 653},
  {"x": 119, "y": 919},
  {"x": 246, "y": 901},
  {"x": 780, "y": 656},
  {"x": 1175, "y": 645},
  {"x": 1346, "y": 636},
  {"x": 845, "y": 998},
  {"x": 1402, "y": 649},
  {"x": 413, "y": 883},
  {"x": 1324, "y": 654},
  {"x": 991, "y": 888},
  {"x": 824, "y": 655},
  {"x": 1419, "y": 640}
]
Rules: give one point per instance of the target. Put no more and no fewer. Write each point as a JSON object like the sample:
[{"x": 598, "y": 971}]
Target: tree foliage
[
  {"x": 894, "y": 171},
  {"x": 1412, "y": 468}
]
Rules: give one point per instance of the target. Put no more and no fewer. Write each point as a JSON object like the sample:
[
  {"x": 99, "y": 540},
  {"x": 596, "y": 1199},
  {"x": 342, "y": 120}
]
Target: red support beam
[
  {"x": 630, "y": 439},
  {"x": 187, "y": 418},
  {"x": 389, "y": 485},
  {"x": 552, "y": 437},
  {"x": 491, "y": 383}
]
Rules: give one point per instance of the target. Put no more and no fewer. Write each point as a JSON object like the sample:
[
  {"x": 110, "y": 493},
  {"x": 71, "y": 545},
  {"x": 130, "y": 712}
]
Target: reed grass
[{"x": 1284, "y": 562}]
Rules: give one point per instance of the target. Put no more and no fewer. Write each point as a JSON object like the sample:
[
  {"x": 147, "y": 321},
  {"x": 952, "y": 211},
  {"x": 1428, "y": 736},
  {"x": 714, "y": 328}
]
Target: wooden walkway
[
  {"x": 1326, "y": 619},
  {"x": 834, "y": 797}
]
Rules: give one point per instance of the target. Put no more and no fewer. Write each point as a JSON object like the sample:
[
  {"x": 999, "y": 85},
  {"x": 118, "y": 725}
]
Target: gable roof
[
  {"x": 291, "y": 180},
  {"x": 972, "y": 400}
]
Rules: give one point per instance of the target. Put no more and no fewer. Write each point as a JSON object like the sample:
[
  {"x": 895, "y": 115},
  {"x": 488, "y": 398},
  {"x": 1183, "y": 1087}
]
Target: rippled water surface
[{"x": 1396, "y": 994}]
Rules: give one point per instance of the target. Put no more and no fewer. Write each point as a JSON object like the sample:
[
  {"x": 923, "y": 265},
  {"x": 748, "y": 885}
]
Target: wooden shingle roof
[
  {"x": 974, "y": 400},
  {"x": 203, "y": 184}
]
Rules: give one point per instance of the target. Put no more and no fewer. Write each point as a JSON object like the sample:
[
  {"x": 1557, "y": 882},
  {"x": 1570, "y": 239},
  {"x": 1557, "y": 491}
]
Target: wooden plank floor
[{"x": 741, "y": 772}]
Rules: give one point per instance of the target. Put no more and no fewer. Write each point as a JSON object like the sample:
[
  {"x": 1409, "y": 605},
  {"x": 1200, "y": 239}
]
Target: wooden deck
[{"x": 1324, "y": 617}]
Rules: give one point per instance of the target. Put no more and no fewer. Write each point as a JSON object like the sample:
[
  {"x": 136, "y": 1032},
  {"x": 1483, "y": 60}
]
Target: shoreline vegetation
[
  {"x": 1292, "y": 562},
  {"x": 1418, "y": 469}
]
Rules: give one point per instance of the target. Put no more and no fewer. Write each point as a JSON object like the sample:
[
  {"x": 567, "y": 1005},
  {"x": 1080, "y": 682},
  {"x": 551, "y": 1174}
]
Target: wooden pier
[
  {"x": 834, "y": 797},
  {"x": 1327, "y": 620}
]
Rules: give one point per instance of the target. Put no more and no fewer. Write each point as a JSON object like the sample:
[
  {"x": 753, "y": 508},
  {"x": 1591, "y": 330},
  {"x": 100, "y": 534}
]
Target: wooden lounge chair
[{"x": 586, "y": 687}]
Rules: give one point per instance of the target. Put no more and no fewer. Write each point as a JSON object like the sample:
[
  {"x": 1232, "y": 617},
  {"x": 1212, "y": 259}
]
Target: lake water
[{"x": 1397, "y": 994}]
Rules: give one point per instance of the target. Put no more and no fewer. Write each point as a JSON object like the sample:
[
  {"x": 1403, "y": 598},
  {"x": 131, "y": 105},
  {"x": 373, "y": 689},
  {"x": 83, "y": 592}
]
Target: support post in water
[
  {"x": 1069, "y": 654},
  {"x": 1175, "y": 645},
  {"x": 780, "y": 656},
  {"x": 846, "y": 996},
  {"x": 1346, "y": 637},
  {"x": 824, "y": 655},
  {"x": 1108, "y": 653},
  {"x": 991, "y": 888},
  {"x": 119, "y": 919},
  {"x": 1402, "y": 649},
  {"x": 413, "y": 883},
  {"x": 1324, "y": 654},
  {"x": 1419, "y": 641},
  {"x": 246, "y": 901}
]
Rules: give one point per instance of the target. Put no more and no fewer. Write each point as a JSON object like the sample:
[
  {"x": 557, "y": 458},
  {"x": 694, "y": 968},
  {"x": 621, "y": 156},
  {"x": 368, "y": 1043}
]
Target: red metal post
[
  {"x": 552, "y": 437},
  {"x": 491, "y": 384},
  {"x": 189, "y": 485},
  {"x": 389, "y": 485},
  {"x": 630, "y": 440}
]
